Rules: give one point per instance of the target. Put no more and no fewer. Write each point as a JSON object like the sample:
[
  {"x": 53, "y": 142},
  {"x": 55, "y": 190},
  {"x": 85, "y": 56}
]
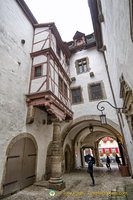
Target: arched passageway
[
  {"x": 87, "y": 131},
  {"x": 20, "y": 165}
]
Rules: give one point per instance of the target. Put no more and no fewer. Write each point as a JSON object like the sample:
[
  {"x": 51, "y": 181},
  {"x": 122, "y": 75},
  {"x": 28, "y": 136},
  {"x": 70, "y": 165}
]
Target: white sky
[{"x": 69, "y": 15}]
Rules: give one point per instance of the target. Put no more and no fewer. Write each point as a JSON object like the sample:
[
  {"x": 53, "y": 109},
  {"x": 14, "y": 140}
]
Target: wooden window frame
[
  {"x": 77, "y": 65},
  {"x": 102, "y": 91},
  {"x": 34, "y": 67},
  {"x": 81, "y": 97},
  {"x": 63, "y": 87},
  {"x": 61, "y": 91}
]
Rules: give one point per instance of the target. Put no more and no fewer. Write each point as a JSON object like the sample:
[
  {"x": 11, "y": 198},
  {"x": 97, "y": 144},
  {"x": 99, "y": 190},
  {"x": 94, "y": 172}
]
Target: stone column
[
  {"x": 56, "y": 182},
  {"x": 73, "y": 154},
  {"x": 98, "y": 164},
  {"x": 82, "y": 157}
]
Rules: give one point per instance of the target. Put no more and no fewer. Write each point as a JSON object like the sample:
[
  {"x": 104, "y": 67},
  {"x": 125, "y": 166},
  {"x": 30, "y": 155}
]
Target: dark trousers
[
  {"x": 108, "y": 165},
  {"x": 92, "y": 177}
]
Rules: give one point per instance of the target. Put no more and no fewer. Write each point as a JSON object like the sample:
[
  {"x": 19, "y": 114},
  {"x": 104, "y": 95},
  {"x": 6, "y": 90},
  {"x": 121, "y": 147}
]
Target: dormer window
[
  {"x": 79, "y": 42},
  {"x": 79, "y": 39}
]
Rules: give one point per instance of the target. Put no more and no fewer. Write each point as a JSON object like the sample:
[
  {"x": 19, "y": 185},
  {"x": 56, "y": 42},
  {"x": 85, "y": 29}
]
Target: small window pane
[
  {"x": 76, "y": 96},
  {"x": 85, "y": 68},
  {"x": 80, "y": 69},
  {"x": 79, "y": 63},
  {"x": 37, "y": 71}
]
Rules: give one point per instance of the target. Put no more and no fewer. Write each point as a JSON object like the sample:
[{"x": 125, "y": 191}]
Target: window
[
  {"x": 65, "y": 90},
  {"x": 76, "y": 95},
  {"x": 82, "y": 65},
  {"x": 60, "y": 85},
  {"x": 113, "y": 150},
  {"x": 96, "y": 91},
  {"x": 37, "y": 71}
]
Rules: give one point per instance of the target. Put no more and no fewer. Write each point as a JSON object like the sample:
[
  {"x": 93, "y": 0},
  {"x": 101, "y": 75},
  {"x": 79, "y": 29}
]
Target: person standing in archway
[
  {"x": 118, "y": 160},
  {"x": 108, "y": 163},
  {"x": 91, "y": 161}
]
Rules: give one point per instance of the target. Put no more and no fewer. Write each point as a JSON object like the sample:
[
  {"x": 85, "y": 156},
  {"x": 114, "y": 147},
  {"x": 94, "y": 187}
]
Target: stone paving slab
[{"x": 78, "y": 187}]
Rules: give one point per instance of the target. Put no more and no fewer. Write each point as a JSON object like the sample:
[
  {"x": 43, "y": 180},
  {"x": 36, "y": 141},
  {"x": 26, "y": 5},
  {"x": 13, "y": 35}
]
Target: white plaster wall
[
  {"x": 39, "y": 59},
  {"x": 97, "y": 66},
  {"x": 39, "y": 39},
  {"x": 117, "y": 38},
  {"x": 15, "y": 68},
  {"x": 43, "y": 135},
  {"x": 36, "y": 84}
]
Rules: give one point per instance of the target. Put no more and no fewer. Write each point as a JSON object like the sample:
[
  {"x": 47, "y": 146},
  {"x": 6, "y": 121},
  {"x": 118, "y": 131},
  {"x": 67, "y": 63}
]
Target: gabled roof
[
  {"x": 78, "y": 35},
  {"x": 56, "y": 33}
]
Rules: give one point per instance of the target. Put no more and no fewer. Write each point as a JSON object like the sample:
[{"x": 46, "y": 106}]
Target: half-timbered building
[{"x": 49, "y": 94}]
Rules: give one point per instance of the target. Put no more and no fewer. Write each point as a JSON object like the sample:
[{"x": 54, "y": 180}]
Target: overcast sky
[{"x": 69, "y": 15}]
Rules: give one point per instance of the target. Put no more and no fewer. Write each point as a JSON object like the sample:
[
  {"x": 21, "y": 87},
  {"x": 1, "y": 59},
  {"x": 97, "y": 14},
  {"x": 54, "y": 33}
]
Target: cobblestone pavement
[{"x": 78, "y": 186}]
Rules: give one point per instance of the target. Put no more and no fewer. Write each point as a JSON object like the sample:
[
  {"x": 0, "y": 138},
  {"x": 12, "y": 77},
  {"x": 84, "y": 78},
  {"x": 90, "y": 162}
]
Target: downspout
[{"x": 127, "y": 157}]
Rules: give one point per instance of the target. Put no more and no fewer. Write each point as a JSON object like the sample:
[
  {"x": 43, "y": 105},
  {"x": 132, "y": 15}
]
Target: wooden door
[{"x": 20, "y": 168}]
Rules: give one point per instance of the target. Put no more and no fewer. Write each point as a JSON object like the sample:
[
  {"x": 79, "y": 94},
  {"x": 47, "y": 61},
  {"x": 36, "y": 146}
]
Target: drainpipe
[{"x": 123, "y": 159}]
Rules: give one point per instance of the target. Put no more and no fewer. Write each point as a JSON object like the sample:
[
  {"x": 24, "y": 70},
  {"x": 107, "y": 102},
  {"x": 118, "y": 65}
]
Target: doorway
[{"x": 20, "y": 166}]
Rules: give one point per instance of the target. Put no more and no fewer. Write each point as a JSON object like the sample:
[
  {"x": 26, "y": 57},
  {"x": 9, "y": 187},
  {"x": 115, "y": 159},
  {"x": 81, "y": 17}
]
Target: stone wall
[
  {"x": 117, "y": 38},
  {"x": 15, "y": 68}
]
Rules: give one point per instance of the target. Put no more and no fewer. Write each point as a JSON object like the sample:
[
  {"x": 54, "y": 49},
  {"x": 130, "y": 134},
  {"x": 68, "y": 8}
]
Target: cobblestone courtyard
[{"x": 78, "y": 186}]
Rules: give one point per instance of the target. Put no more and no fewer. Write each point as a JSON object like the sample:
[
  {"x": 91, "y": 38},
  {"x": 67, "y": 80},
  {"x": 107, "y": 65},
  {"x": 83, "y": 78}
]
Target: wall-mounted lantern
[{"x": 102, "y": 108}]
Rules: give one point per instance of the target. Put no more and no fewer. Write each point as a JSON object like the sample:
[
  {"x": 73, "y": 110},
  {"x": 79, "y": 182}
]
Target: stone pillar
[
  {"x": 98, "y": 164},
  {"x": 73, "y": 154},
  {"x": 82, "y": 157},
  {"x": 56, "y": 182}
]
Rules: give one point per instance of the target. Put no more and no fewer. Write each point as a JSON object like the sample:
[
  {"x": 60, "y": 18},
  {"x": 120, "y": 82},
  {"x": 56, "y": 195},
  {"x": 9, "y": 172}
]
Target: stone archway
[
  {"x": 78, "y": 122},
  {"x": 20, "y": 169},
  {"x": 77, "y": 130}
]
